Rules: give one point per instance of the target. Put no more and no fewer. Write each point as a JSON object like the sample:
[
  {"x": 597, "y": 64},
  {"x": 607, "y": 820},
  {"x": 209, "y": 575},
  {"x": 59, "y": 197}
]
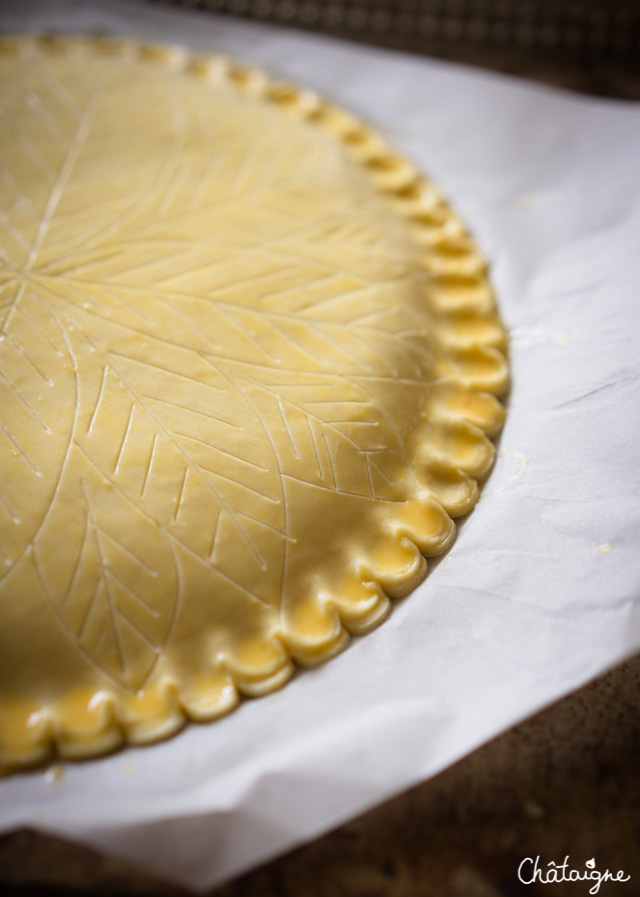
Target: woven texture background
[{"x": 587, "y": 45}]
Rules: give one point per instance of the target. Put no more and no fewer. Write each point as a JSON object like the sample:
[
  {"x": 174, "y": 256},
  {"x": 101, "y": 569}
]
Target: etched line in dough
[
  {"x": 331, "y": 464},
  {"x": 173, "y": 188},
  {"x": 5, "y": 501},
  {"x": 195, "y": 411},
  {"x": 76, "y": 566},
  {"x": 228, "y": 308},
  {"x": 313, "y": 385},
  {"x": 314, "y": 443},
  {"x": 84, "y": 625},
  {"x": 145, "y": 201},
  {"x": 244, "y": 332},
  {"x": 286, "y": 425},
  {"x": 301, "y": 348},
  {"x": 21, "y": 310},
  {"x": 357, "y": 423},
  {"x": 61, "y": 93},
  {"x": 217, "y": 206},
  {"x": 17, "y": 236},
  {"x": 26, "y": 403},
  {"x": 33, "y": 102},
  {"x": 98, "y": 400},
  {"x": 336, "y": 488},
  {"x": 369, "y": 316},
  {"x": 369, "y": 477},
  {"x": 248, "y": 592},
  {"x": 214, "y": 292},
  {"x": 339, "y": 296},
  {"x": 199, "y": 191},
  {"x": 331, "y": 425},
  {"x": 285, "y": 510},
  {"x": 158, "y": 367},
  {"x": 66, "y": 245},
  {"x": 124, "y": 438},
  {"x": 34, "y": 154},
  {"x": 181, "y": 494},
  {"x": 176, "y": 311},
  {"x": 149, "y": 465},
  {"x": 26, "y": 355},
  {"x": 309, "y": 284},
  {"x": 9, "y": 95},
  {"x": 107, "y": 585},
  {"x": 113, "y": 295},
  {"x": 171, "y": 539},
  {"x": 63, "y": 273},
  {"x": 134, "y": 557},
  {"x": 41, "y": 579},
  {"x": 395, "y": 373},
  {"x": 23, "y": 200},
  {"x": 400, "y": 446},
  {"x": 332, "y": 341},
  {"x": 99, "y": 645},
  {"x": 12, "y": 307},
  {"x": 56, "y": 191},
  {"x": 20, "y": 449},
  {"x": 143, "y": 266},
  {"x": 8, "y": 275},
  {"x": 245, "y": 165},
  {"x": 382, "y": 378},
  {"x": 274, "y": 529},
  {"x": 222, "y": 476},
  {"x": 337, "y": 402},
  {"x": 122, "y": 615},
  {"x": 260, "y": 245},
  {"x": 131, "y": 592},
  {"x": 217, "y": 448},
  {"x": 375, "y": 464},
  {"x": 32, "y": 543},
  {"x": 330, "y": 375},
  {"x": 214, "y": 539},
  {"x": 151, "y": 337}
]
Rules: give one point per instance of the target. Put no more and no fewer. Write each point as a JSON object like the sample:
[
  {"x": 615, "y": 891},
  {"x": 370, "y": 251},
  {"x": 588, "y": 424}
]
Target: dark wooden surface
[
  {"x": 590, "y": 46},
  {"x": 564, "y": 782}
]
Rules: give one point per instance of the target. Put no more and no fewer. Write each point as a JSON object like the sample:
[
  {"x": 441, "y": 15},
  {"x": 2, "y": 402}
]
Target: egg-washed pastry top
[{"x": 249, "y": 361}]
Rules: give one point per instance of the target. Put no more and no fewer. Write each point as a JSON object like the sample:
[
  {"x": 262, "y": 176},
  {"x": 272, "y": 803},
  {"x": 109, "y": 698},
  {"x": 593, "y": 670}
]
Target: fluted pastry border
[{"x": 462, "y": 412}]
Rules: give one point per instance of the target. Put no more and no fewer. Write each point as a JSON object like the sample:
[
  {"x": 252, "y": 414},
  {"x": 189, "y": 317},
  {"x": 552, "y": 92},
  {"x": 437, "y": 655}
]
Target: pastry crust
[{"x": 249, "y": 366}]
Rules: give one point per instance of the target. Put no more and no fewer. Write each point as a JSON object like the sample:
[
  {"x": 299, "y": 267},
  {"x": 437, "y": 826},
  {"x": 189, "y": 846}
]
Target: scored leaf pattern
[{"x": 202, "y": 305}]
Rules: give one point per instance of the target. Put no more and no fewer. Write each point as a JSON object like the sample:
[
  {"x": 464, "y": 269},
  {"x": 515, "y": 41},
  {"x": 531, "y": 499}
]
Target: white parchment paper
[{"x": 540, "y": 593}]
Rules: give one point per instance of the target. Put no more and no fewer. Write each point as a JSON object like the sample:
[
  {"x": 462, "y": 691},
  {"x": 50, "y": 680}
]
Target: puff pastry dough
[{"x": 249, "y": 361}]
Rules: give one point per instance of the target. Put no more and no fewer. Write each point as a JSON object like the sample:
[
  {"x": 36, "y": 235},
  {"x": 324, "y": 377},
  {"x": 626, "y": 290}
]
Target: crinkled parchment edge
[{"x": 454, "y": 451}]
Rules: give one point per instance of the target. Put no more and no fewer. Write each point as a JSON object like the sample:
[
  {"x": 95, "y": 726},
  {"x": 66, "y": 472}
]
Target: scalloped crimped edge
[{"x": 452, "y": 457}]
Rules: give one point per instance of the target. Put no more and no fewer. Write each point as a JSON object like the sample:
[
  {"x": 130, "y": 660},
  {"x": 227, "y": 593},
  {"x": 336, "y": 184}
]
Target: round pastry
[{"x": 249, "y": 361}]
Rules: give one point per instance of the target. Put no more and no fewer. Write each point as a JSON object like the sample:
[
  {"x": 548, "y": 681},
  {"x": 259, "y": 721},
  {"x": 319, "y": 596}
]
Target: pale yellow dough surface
[{"x": 248, "y": 366}]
